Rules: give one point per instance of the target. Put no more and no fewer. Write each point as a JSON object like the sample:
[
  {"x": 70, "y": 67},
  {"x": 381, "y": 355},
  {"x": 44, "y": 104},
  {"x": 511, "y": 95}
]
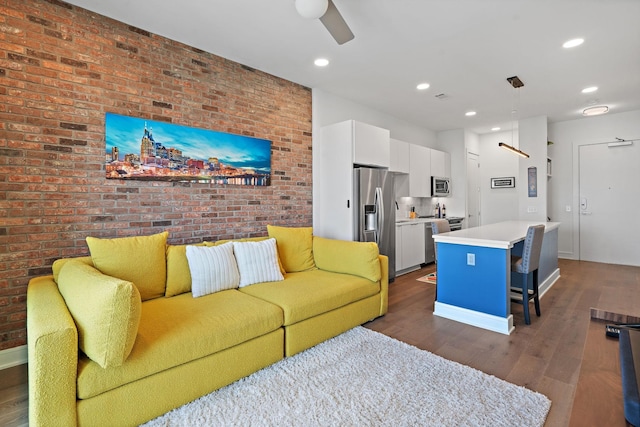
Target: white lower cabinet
[
  {"x": 399, "y": 261},
  {"x": 410, "y": 245}
]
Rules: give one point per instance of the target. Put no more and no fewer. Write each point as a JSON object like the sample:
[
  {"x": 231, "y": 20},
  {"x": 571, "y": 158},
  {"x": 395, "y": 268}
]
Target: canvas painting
[{"x": 150, "y": 150}]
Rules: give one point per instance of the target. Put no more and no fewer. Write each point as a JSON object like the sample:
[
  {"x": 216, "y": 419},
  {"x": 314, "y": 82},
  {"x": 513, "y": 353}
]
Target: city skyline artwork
[{"x": 140, "y": 149}]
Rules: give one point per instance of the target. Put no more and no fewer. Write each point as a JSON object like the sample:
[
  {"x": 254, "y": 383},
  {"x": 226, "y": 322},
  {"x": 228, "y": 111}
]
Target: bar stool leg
[
  {"x": 525, "y": 298},
  {"x": 536, "y": 298}
]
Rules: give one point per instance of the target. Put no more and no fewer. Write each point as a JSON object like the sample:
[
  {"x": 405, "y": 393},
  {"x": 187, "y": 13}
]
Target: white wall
[
  {"x": 453, "y": 142},
  {"x": 499, "y": 204},
  {"x": 532, "y": 137},
  {"x": 563, "y": 185},
  {"x": 328, "y": 109}
]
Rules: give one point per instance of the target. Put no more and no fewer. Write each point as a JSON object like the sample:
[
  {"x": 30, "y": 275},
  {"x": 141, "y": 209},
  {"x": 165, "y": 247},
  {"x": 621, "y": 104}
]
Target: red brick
[{"x": 71, "y": 66}]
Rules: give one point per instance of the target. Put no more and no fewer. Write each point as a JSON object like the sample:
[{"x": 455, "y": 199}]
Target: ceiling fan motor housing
[{"x": 312, "y": 9}]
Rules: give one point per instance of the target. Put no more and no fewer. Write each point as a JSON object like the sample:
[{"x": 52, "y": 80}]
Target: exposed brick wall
[{"x": 61, "y": 69}]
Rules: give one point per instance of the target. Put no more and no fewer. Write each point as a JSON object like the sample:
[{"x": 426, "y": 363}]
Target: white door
[
  {"x": 609, "y": 203},
  {"x": 473, "y": 191}
]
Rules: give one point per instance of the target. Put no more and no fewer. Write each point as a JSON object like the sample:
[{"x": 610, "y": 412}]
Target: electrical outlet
[
  {"x": 532, "y": 209},
  {"x": 471, "y": 259}
]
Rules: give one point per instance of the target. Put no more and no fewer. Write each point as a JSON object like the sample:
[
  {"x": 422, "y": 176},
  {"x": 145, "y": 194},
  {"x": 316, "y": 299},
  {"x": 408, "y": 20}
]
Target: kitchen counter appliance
[{"x": 455, "y": 223}]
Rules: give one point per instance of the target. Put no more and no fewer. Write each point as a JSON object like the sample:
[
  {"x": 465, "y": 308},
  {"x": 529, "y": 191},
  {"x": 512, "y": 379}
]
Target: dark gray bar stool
[{"x": 527, "y": 266}]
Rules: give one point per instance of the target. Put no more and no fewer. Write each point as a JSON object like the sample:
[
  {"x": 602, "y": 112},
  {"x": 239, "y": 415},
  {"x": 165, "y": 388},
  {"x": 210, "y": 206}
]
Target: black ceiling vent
[{"x": 515, "y": 81}]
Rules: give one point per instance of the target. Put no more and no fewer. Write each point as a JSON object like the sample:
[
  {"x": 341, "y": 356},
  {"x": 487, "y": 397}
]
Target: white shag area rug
[{"x": 364, "y": 378}]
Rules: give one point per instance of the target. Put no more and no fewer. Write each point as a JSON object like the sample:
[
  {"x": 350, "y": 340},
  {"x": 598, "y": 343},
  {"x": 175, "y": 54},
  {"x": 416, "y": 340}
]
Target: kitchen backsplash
[{"x": 423, "y": 205}]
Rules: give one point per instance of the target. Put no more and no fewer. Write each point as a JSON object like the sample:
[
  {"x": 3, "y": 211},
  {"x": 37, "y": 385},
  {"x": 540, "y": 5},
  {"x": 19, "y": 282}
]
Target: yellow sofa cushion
[
  {"x": 178, "y": 273},
  {"x": 307, "y": 294},
  {"x": 138, "y": 259},
  {"x": 295, "y": 247},
  {"x": 341, "y": 256},
  {"x": 177, "y": 330},
  {"x": 106, "y": 311}
]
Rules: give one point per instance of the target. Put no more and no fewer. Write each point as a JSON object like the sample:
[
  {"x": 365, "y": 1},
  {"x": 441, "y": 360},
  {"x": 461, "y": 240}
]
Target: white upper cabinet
[
  {"x": 371, "y": 145},
  {"x": 335, "y": 150},
  {"x": 333, "y": 182},
  {"x": 419, "y": 171},
  {"x": 399, "y": 156},
  {"x": 440, "y": 164}
]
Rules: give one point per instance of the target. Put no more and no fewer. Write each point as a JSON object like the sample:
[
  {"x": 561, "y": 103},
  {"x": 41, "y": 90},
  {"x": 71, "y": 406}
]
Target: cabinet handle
[{"x": 348, "y": 204}]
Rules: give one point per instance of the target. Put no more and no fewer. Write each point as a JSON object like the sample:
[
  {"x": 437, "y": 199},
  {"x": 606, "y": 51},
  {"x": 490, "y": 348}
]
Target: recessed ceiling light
[
  {"x": 321, "y": 62},
  {"x": 470, "y": 113},
  {"x": 423, "y": 86},
  {"x": 495, "y": 128},
  {"x": 572, "y": 43},
  {"x": 590, "y": 89},
  {"x": 595, "y": 111}
]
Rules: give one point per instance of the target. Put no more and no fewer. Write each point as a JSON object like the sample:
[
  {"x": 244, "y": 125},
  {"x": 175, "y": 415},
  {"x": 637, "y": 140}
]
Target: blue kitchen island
[{"x": 474, "y": 272}]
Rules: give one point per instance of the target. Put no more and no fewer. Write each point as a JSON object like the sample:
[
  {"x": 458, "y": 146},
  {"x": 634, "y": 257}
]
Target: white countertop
[
  {"x": 499, "y": 235},
  {"x": 405, "y": 221}
]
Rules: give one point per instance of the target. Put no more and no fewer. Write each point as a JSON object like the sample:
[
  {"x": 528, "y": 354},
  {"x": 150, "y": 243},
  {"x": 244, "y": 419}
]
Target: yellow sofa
[{"x": 183, "y": 347}]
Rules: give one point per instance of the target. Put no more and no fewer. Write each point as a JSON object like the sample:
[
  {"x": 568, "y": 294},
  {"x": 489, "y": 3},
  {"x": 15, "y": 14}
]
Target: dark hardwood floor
[{"x": 562, "y": 354}]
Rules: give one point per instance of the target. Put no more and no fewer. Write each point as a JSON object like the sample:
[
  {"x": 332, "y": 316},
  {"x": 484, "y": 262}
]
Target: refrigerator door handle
[{"x": 380, "y": 218}]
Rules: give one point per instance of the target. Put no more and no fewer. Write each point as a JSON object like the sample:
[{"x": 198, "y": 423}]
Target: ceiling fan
[{"x": 328, "y": 13}]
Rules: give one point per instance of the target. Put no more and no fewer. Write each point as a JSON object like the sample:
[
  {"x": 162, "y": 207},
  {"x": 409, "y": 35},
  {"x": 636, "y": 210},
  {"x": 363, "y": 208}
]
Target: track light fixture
[
  {"x": 513, "y": 149},
  {"x": 517, "y": 84}
]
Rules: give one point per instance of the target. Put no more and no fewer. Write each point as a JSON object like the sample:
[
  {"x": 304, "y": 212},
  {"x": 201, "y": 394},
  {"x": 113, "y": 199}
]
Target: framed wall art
[
  {"x": 532, "y": 185},
  {"x": 139, "y": 149},
  {"x": 503, "y": 182}
]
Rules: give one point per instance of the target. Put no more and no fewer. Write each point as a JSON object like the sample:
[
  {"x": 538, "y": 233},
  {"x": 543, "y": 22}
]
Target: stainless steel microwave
[{"x": 440, "y": 187}]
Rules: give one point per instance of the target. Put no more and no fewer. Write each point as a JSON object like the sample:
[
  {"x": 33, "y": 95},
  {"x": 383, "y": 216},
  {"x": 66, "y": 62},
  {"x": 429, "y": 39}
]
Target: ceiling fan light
[
  {"x": 312, "y": 9},
  {"x": 595, "y": 111}
]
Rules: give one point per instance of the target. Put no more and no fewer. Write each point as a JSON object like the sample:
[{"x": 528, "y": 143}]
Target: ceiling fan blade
[{"x": 335, "y": 23}]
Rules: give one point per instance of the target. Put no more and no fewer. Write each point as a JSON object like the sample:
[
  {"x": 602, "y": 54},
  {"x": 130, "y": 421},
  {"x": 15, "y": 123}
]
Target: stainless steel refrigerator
[{"x": 374, "y": 211}]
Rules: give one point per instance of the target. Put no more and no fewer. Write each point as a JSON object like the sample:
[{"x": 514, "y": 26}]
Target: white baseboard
[
  {"x": 503, "y": 325},
  {"x": 567, "y": 255},
  {"x": 13, "y": 357},
  {"x": 549, "y": 282}
]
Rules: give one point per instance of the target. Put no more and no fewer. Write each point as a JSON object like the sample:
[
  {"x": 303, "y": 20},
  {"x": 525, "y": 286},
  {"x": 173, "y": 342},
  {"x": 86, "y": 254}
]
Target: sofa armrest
[
  {"x": 52, "y": 341},
  {"x": 384, "y": 284}
]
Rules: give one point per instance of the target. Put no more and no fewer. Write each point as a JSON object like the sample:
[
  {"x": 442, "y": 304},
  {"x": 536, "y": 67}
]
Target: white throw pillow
[
  {"x": 257, "y": 262},
  {"x": 212, "y": 269}
]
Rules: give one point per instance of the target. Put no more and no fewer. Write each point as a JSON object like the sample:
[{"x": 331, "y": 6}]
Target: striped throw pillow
[
  {"x": 257, "y": 262},
  {"x": 212, "y": 268}
]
